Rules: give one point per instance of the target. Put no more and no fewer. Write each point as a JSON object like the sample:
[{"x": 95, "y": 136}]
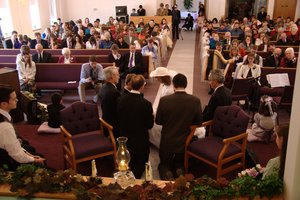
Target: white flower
[
  {"x": 243, "y": 173},
  {"x": 258, "y": 166}
]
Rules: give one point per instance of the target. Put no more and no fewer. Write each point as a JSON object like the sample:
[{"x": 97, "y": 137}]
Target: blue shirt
[{"x": 87, "y": 72}]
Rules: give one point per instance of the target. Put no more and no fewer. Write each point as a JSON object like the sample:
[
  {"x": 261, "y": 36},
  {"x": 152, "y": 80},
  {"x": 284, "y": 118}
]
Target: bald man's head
[
  {"x": 277, "y": 52},
  {"x": 39, "y": 48}
]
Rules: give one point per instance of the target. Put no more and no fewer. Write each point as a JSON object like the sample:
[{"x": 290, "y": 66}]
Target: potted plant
[{"x": 188, "y": 4}]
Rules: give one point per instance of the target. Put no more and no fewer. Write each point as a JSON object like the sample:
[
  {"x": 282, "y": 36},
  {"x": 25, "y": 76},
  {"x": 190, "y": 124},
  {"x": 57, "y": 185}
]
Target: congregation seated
[
  {"x": 38, "y": 40},
  {"x": 274, "y": 59},
  {"x": 13, "y": 42},
  {"x": 41, "y": 56},
  {"x": 66, "y": 56},
  {"x": 289, "y": 60}
]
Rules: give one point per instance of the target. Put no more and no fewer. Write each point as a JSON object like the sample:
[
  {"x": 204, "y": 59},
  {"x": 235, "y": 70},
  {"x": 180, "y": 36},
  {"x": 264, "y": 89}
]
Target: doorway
[
  {"x": 238, "y": 9},
  {"x": 285, "y": 8}
]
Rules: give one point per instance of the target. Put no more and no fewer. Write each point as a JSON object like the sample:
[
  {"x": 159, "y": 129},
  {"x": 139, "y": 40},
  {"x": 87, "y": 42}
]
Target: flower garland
[{"x": 29, "y": 179}]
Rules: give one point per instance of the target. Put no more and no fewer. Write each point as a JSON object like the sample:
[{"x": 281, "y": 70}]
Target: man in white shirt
[
  {"x": 91, "y": 76},
  {"x": 11, "y": 152}
]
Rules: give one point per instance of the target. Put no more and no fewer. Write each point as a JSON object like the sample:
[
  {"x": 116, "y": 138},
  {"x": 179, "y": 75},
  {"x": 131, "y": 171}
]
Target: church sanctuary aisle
[{"x": 184, "y": 59}]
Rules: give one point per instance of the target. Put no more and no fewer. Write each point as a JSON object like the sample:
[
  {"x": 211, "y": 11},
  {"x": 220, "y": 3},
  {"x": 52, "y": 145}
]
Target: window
[
  {"x": 35, "y": 14},
  {"x": 53, "y": 14},
  {"x": 6, "y": 26}
]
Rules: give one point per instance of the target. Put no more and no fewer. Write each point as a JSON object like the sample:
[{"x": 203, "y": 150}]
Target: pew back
[{"x": 73, "y": 51}]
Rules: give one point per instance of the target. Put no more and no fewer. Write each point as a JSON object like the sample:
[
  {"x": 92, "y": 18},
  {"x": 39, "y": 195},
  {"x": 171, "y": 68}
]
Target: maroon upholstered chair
[
  {"x": 83, "y": 137},
  {"x": 225, "y": 146}
]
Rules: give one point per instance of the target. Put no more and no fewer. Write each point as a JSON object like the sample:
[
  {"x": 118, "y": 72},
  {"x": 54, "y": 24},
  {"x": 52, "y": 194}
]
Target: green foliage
[
  {"x": 188, "y": 4},
  {"x": 30, "y": 179},
  {"x": 270, "y": 186}
]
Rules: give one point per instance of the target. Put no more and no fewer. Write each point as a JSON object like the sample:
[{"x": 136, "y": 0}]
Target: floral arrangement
[
  {"x": 29, "y": 179},
  {"x": 254, "y": 172}
]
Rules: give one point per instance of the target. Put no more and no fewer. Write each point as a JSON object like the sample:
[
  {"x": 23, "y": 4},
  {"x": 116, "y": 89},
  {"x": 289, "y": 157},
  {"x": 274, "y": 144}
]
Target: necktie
[
  {"x": 131, "y": 60},
  {"x": 40, "y": 58},
  {"x": 94, "y": 74}
]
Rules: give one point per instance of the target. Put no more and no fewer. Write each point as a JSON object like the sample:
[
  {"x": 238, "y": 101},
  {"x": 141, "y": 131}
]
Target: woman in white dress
[
  {"x": 26, "y": 72},
  {"x": 164, "y": 76}
]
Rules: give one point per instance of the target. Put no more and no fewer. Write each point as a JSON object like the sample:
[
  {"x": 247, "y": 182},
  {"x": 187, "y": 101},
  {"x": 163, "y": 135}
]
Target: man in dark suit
[
  {"x": 176, "y": 17},
  {"x": 176, "y": 113},
  {"x": 135, "y": 115},
  {"x": 220, "y": 97},
  {"x": 41, "y": 56},
  {"x": 141, "y": 11},
  {"x": 38, "y": 40},
  {"x": 274, "y": 59},
  {"x": 283, "y": 41},
  {"x": 13, "y": 41},
  {"x": 127, "y": 87},
  {"x": 108, "y": 97},
  {"x": 133, "y": 62},
  {"x": 262, "y": 14}
]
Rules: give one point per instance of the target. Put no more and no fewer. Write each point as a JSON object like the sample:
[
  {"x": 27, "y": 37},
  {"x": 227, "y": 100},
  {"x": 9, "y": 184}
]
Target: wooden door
[{"x": 285, "y": 8}]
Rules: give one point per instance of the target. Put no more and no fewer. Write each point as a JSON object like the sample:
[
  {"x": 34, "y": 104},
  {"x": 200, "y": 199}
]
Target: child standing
[
  {"x": 54, "y": 110},
  {"x": 264, "y": 121}
]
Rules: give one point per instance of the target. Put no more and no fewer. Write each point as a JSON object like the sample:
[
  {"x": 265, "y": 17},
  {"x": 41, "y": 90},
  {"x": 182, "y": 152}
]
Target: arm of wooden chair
[
  {"x": 65, "y": 132},
  {"x": 193, "y": 128},
  {"x": 68, "y": 146},
  {"x": 111, "y": 135},
  {"x": 228, "y": 141},
  {"x": 235, "y": 138}
]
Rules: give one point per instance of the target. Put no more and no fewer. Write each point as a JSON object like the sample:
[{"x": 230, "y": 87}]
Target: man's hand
[{"x": 88, "y": 80}]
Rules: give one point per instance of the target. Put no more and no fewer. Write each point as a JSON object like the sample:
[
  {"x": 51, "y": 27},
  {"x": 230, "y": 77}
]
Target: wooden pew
[
  {"x": 278, "y": 91},
  {"x": 157, "y": 19},
  {"x": 79, "y": 58},
  {"x": 261, "y": 53},
  {"x": 55, "y": 75},
  {"x": 65, "y": 76},
  {"x": 73, "y": 51}
]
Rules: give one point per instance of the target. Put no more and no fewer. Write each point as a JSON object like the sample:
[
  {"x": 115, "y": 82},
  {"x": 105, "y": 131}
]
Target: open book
[{"x": 278, "y": 80}]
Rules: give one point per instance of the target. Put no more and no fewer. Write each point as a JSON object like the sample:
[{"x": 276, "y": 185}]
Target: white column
[{"x": 292, "y": 166}]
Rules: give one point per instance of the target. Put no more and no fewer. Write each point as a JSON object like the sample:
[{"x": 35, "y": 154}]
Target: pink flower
[{"x": 252, "y": 172}]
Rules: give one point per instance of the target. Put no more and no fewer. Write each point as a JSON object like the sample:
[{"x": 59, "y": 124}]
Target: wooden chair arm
[
  {"x": 65, "y": 132},
  {"x": 111, "y": 135},
  {"x": 230, "y": 140},
  {"x": 193, "y": 128},
  {"x": 235, "y": 138}
]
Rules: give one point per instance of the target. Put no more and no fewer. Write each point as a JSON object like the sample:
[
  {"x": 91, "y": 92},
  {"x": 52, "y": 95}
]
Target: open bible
[{"x": 278, "y": 80}]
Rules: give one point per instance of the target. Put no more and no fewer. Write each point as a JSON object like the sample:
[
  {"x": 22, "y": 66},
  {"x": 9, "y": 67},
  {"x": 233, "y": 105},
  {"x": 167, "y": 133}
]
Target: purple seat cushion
[
  {"x": 90, "y": 143},
  {"x": 210, "y": 148}
]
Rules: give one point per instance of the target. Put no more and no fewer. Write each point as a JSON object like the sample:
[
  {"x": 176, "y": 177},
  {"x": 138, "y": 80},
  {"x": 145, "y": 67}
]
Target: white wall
[
  {"x": 270, "y": 11},
  {"x": 21, "y": 16},
  {"x": 75, "y": 9},
  {"x": 297, "y": 14},
  {"x": 215, "y": 8},
  {"x": 292, "y": 166}
]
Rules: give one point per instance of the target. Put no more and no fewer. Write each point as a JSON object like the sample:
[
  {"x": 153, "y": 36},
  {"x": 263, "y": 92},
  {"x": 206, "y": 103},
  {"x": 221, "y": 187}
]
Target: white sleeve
[
  {"x": 11, "y": 144},
  {"x": 21, "y": 70}
]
